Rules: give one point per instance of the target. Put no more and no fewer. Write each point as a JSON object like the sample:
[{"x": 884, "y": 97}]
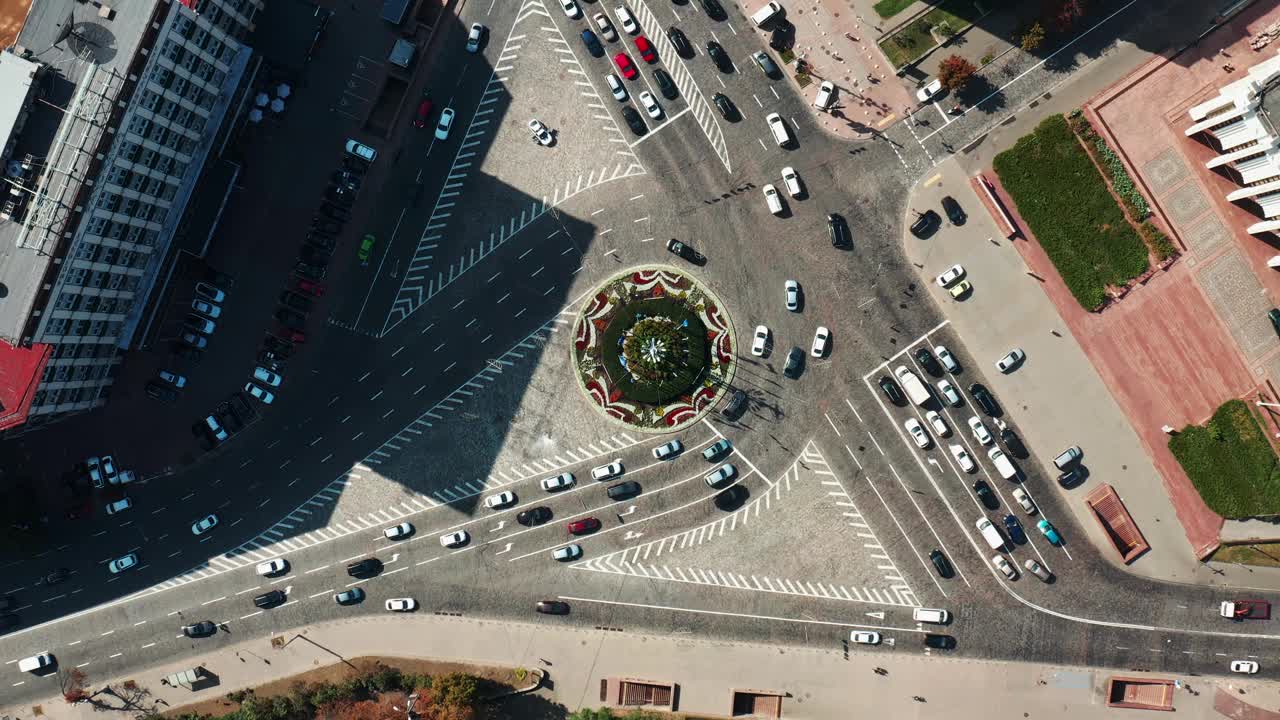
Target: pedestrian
[{"x": 917, "y": 698}]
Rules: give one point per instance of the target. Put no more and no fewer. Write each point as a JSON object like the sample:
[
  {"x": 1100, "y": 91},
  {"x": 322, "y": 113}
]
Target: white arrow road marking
[
  {"x": 628, "y": 512},
  {"x": 879, "y": 614},
  {"x": 631, "y": 535},
  {"x": 505, "y": 549},
  {"x": 501, "y": 524}
]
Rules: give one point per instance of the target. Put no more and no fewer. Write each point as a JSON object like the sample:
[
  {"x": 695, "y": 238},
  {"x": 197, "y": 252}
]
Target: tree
[
  {"x": 72, "y": 682},
  {"x": 1064, "y": 13},
  {"x": 603, "y": 713},
  {"x": 955, "y": 72},
  {"x": 1033, "y": 37},
  {"x": 384, "y": 708}
]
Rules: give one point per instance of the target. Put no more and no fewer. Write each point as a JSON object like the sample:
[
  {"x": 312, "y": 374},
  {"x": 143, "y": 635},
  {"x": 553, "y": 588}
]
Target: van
[
  {"x": 1067, "y": 457},
  {"x": 119, "y": 506},
  {"x": 766, "y": 14},
  {"x": 623, "y": 490},
  {"x": 35, "y": 663},
  {"x": 779, "y": 129},
  {"x": 270, "y": 599},
  {"x": 931, "y": 615},
  {"x": 215, "y": 428},
  {"x": 909, "y": 382},
  {"x": 1003, "y": 465},
  {"x": 989, "y": 533}
]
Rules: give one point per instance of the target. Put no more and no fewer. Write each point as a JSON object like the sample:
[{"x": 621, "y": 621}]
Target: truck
[
  {"x": 915, "y": 389},
  {"x": 1239, "y": 610}
]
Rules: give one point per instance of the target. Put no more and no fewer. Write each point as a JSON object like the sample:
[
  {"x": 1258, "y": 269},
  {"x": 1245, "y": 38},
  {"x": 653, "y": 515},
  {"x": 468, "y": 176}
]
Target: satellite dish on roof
[{"x": 85, "y": 39}]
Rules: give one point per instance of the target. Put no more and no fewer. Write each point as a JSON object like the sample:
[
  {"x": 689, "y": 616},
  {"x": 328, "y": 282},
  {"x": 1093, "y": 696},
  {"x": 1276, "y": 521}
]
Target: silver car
[
  {"x": 605, "y": 472},
  {"x": 721, "y": 474},
  {"x": 395, "y": 532},
  {"x": 567, "y": 553},
  {"x": 558, "y": 482},
  {"x": 668, "y": 450}
]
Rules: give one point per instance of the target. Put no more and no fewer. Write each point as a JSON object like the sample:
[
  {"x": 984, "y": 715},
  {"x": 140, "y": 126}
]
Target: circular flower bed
[{"x": 653, "y": 349}]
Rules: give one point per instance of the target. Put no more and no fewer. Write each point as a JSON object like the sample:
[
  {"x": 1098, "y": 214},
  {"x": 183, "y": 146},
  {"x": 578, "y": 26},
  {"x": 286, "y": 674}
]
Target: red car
[
  {"x": 424, "y": 112},
  {"x": 311, "y": 287},
  {"x": 646, "y": 50},
  {"x": 583, "y": 526},
  {"x": 625, "y": 66}
]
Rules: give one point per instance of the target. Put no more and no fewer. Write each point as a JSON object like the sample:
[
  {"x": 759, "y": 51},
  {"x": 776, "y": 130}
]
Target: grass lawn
[
  {"x": 914, "y": 40},
  {"x": 889, "y": 8},
  {"x": 1065, "y": 201},
  {"x": 1230, "y": 462},
  {"x": 1263, "y": 554}
]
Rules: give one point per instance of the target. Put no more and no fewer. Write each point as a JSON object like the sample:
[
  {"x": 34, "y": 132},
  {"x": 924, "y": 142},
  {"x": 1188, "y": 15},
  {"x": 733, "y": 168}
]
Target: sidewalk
[{"x": 816, "y": 683}]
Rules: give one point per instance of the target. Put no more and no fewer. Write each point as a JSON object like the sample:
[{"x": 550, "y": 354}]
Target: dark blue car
[
  {"x": 593, "y": 43},
  {"x": 1014, "y": 528}
]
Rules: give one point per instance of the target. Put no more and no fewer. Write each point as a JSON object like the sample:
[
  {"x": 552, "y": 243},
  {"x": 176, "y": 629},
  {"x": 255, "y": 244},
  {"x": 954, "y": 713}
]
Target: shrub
[
  {"x": 1230, "y": 462},
  {"x": 637, "y": 384},
  {"x": 1159, "y": 243},
  {"x": 1124, "y": 186},
  {"x": 1033, "y": 37},
  {"x": 955, "y": 72}
]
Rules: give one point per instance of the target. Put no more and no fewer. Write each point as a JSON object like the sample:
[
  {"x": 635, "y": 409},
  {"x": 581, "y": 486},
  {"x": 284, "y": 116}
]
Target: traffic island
[{"x": 653, "y": 349}]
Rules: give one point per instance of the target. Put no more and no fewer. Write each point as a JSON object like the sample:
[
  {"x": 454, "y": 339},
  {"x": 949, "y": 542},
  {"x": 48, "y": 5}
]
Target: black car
[
  {"x": 271, "y": 599},
  {"x": 365, "y": 567},
  {"x": 1014, "y": 528},
  {"x": 985, "y": 496},
  {"x": 163, "y": 393},
  {"x": 204, "y": 628},
  {"x": 795, "y": 363},
  {"x": 928, "y": 362},
  {"x": 891, "y": 390},
  {"x": 925, "y": 223},
  {"x": 189, "y": 354},
  {"x": 681, "y": 43},
  {"x": 219, "y": 279},
  {"x": 838, "y": 229},
  {"x": 293, "y": 300},
  {"x": 623, "y": 490},
  {"x": 686, "y": 252},
  {"x": 714, "y": 9},
  {"x": 9, "y": 622},
  {"x": 552, "y": 607},
  {"x": 326, "y": 226},
  {"x": 941, "y": 564},
  {"x": 340, "y": 195},
  {"x": 737, "y": 403},
  {"x": 1014, "y": 443},
  {"x": 725, "y": 106},
  {"x": 953, "y": 210},
  {"x": 783, "y": 37},
  {"x": 353, "y": 164},
  {"x": 985, "y": 399},
  {"x": 634, "y": 121},
  {"x": 665, "y": 84},
  {"x": 731, "y": 498},
  {"x": 313, "y": 272},
  {"x": 719, "y": 56},
  {"x": 336, "y": 212},
  {"x": 593, "y": 43},
  {"x": 1274, "y": 317},
  {"x": 1071, "y": 478},
  {"x": 291, "y": 318},
  {"x": 939, "y": 642},
  {"x": 534, "y": 516},
  {"x": 57, "y": 576},
  {"x": 345, "y": 179},
  {"x": 321, "y": 240}
]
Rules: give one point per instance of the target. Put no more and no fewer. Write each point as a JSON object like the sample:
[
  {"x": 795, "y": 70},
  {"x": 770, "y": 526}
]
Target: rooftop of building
[{"x": 20, "y": 372}]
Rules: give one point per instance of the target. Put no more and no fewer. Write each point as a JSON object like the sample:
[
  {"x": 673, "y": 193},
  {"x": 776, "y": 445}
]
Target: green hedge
[
  {"x": 1230, "y": 462},
  {"x": 1066, "y": 205},
  {"x": 695, "y": 337}
]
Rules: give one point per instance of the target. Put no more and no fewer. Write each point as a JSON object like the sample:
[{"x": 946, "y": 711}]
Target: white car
[
  {"x": 94, "y": 466},
  {"x": 792, "y": 289},
  {"x": 474, "y": 37},
  {"x": 210, "y": 293},
  {"x": 606, "y": 27},
  {"x": 760, "y": 340},
  {"x": 792, "y": 181},
  {"x": 627, "y": 20},
  {"x": 454, "y": 539},
  {"x": 273, "y": 567},
  {"x": 395, "y": 532},
  {"x": 826, "y": 95},
  {"x": 567, "y": 553},
  {"x": 204, "y": 525},
  {"x": 1011, "y": 360},
  {"x": 605, "y": 472},
  {"x": 650, "y": 104},
  {"x": 1037, "y": 569},
  {"x": 266, "y": 376},
  {"x": 616, "y": 87},
  {"x": 501, "y": 500},
  {"x": 206, "y": 308},
  {"x": 571, "y": 9},
  {"x": 1024, "y": 500},
  {"x": 445, "y": 124},
  {"x": 108, "y": 467},
  {"x": 539, "y": 132},
  {"x": 937, "y": 423},
  {"x": 864, "y": 637},
  {"x": 962, "y": 457},
  {"x": 263, "y": 395},
  {"x": 980, "y": 432},
  {"x": 119, "y": 506},
  {"x": 362, "y": 151},
  {"x": 402, "y": 605},
  {"x": 1003, "y": 566},
  {"x": 666, "y": 451},
  {"x": 173, "y": 379},
  {"x": 820, "y": 338},
  {"x": 918, "y": 433},
  {"x": 953, "y": 273},
  {"x": 121, "y": 564},
  {"x": 772, "y": 199},
  {"x": 1248, "y": 667},
  {"x": 557, "y": 482},
  {"x": 930, "y": 91},
  {"x": 946, "y": 358},
  {"x": 949, "y": 393}
]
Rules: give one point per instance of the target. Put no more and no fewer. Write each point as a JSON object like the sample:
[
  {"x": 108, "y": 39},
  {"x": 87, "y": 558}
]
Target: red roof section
[{"x": 20, "y": 372}]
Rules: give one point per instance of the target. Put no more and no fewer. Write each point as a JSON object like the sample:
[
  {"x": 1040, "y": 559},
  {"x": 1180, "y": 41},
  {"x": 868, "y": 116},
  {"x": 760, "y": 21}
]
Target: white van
[
  {"x": 1067, "y": 457},
  {"x": 931, "y": 615},
  {"x": 915, "y": 389},
  {"x": 989, "y": 533},
  {"x": 766, "y": 13},
  {"x": 119, "y": 506},
  {"x": 35, "y": 663},
  {"x": 1003, "y": 465},
  {"x": 778, "y": 127}
]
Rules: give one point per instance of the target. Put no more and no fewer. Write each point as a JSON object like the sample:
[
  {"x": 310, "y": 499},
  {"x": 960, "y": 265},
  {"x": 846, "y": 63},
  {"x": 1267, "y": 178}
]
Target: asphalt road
[{"x": 445, "y": 376}]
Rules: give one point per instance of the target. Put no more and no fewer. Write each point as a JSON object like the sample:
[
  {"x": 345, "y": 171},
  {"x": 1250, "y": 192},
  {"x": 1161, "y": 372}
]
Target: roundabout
[{"x": 653, "y": 349}]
